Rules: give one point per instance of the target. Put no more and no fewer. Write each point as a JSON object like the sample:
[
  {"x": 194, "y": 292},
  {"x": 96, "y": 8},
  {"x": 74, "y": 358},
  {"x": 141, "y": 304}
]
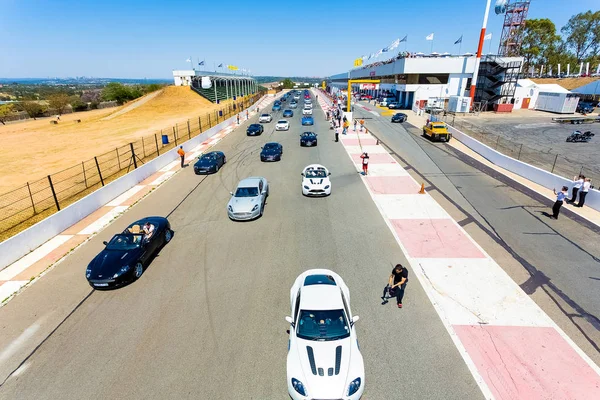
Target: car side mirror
[
  {"x": 355, "y": 319},
  {"x": 329, "y": 174},
  {"x": 290, "y": 320},
  {"x": 302, "y": 173},
  {"x": 105, "y": 243},
  {"x": 231, "y": 193}
]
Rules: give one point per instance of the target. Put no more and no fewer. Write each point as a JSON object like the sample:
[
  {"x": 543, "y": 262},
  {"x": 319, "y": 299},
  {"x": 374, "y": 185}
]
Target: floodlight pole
[{"x": 479, "y": 49}]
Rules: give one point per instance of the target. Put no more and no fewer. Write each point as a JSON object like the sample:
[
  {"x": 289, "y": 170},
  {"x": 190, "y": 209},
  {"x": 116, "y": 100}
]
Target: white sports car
[
  {"x": 265, "y": 118},
  {"x": 307, "y": 111},
  {"x": 324, "y": 360},
  {"x": 315, "y": 181},
  {"x": 282, "y": 125}
]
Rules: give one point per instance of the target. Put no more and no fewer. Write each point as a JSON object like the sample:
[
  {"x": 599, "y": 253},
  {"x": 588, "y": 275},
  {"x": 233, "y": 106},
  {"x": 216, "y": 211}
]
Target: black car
[
  {"x": 127, "y": 254},
  {"x": 255, "y": 130},
  {"x": 399, "y": 117},
  {"x": 271, "y": 151},
  {"x": 308, "y": 139},
  {"x": 209, "y": 163}
]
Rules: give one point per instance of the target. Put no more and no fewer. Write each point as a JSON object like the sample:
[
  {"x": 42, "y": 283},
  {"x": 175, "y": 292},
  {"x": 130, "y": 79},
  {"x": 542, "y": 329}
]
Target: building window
[{"x": 468, "y": 83}]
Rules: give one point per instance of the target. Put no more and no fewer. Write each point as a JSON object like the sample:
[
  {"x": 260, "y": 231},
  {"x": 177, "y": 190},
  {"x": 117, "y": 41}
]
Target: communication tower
[{"x": 515, "y": 15}]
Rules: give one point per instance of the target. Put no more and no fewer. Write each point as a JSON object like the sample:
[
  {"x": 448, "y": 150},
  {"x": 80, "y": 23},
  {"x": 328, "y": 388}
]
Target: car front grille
[
  {"x": 316, "y": 191},
  {"x": 242, "y": 214}
]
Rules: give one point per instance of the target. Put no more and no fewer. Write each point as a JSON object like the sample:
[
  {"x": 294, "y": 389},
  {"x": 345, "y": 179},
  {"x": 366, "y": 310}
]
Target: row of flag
[
  {"x": 221, "y": 65},
  {"x": 359, "y": 61}
]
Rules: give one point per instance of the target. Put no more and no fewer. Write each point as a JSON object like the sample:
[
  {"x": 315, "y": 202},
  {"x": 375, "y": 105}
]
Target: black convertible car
[
  {"x": 209, "y": 163},
  {"x": 271, "y": 151},
  {"x": 126, "y": 255},
  {"x": 255, "y": 129},
  {"x": 308, "y": 139},
  {"x": 399, "y": 117}
]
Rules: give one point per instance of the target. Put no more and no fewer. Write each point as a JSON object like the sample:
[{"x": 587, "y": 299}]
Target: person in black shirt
[{"x": 397, "y": 283}]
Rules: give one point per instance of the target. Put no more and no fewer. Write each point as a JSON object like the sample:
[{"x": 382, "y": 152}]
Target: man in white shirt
[
  {"x": 578, "y": 181},
  {"x": 148, "y": 230},
  {"x": 585, "y": 188}
]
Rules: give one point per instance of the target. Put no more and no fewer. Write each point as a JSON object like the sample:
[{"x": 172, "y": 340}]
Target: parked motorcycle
[{"x": 578, "y": 137}]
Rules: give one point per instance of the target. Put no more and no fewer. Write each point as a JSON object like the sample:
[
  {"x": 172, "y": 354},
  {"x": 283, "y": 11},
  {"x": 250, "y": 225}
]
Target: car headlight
[
  {"x": 306, "y": 187},
  {"x": 255, "y": 207},
  {"x": 124, "y": 269},
  {"x": 354, "y": 386},
  {"x": 88, "y": 273},
  {"x": 298, "y": 386},
  {"x": 327, "y": 187},
  {"x": 230, "y": 208}
]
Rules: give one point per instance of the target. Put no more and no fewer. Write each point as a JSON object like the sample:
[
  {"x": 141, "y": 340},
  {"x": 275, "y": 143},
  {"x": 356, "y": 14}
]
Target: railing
[{"x": 36, "y": 200}]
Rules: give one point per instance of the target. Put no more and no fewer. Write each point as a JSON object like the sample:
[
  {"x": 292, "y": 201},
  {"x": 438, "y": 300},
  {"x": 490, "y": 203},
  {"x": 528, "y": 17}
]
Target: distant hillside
[{"x": 567, "y": 83}]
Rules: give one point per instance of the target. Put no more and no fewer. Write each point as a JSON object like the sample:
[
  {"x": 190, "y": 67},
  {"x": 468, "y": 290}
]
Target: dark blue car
[
  {"x": 276, "y": 107},
  {"x": 127, "y": 254},
  {"x": 399, "y": 117},
  {"x": 308, "y": 139},
  {"x": 288, "y": 113},
  {"x": 308, "y": 120},
  {"x": 209, "y": 163},
  {"x": 271, "y": 151}
]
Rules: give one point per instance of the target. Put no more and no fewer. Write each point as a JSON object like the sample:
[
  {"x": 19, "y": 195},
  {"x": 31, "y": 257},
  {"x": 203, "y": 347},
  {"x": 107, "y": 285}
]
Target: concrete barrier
[
  {"x": 534, "y": 174},
  {"x": 24, "y": 242}
]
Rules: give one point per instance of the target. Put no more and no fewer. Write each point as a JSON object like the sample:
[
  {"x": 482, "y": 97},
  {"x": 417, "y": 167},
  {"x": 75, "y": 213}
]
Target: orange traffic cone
[{"x": 422, "y": 191}]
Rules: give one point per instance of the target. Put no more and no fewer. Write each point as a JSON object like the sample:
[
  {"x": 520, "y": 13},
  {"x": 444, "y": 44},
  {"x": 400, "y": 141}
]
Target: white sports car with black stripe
[
  {"x": 324, "y": 360},
  {"x": 315, "y": 181}
]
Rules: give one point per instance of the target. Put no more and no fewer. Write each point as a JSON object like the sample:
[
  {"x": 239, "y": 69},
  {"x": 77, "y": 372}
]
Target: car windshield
[
  {"x": 246, "y": 192},
  {"x": 209, "y": 157},
  {"x": 282, "y": 121},
  {"x": 254, "y": 126},
  {"x": 270, "y": 146},
  {"x": 316, "y": 173},
  {"x": 265, "y": 115},
  {"x": 322, "y": 325},
  {"x": 125, "y": 242}
]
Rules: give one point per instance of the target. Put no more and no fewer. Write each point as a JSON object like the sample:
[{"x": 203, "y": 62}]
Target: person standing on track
[
  {"x": 365, "y": 163},
  {"x": 397, "y": 284},
  {"x": 578, "y": 182},
  {"x": 355, "y": 122},
  {"x": 362, "y": 124},
  {"x": 346, "y": 125},
  {"x": 181, "y": 153},
  {"x": 560, "y": 198},
  {"x": 585, "y": 188}
]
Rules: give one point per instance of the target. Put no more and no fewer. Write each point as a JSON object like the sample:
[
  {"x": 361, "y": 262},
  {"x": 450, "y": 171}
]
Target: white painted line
[
  {"x": 163, "y": 177},
  {"x": 368, "y": 149},
  {"x": 492, "y": 296},
  {"x": 102, "y": 221},
  {"x": 125, "y": 196},
  {"x": 7, "y": 289},
  {"x": 374, "y": 113},
  {"x": 170, "y": 166},
  {"x": 16, "y": 344},
  {"x": 410, "y": 206},
  {"x": 21, "y": 265}
]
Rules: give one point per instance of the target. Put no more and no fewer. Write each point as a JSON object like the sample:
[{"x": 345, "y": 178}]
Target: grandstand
[{"x": 216, "y": 86}]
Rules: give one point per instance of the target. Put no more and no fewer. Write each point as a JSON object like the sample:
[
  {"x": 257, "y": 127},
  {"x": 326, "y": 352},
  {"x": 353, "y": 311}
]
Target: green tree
[
  {"x": 582, "y": 33},
  {"x": 539, "y": 41},
  {"x": 59, "y": 101},
  {"x": 32, "y": 108},
  {"x": 5, "y": 111},
  {"x": 288, "y": 83},
  {"x": 76, "y": 103},
  {"x": 120, "y": 93}
]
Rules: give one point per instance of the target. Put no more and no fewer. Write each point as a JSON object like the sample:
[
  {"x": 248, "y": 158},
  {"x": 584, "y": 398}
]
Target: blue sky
[{"x": 148, "y": 39}]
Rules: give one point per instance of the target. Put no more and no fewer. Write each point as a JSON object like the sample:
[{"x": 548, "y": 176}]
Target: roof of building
[
  {"x": 567, "y": 83},
  {"x": 526, "y": 83},
  {"x": 591, "y": 88},
  {"x": 552, "y": 88}
]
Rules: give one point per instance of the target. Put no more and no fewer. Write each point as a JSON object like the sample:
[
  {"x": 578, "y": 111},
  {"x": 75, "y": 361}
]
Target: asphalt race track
[{"x": 206, "y": 320}]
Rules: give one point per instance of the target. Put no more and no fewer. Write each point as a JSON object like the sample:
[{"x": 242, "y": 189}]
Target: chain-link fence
[
  {"x": 553, "y": 162},
  {"x": 36, "y": 200}
]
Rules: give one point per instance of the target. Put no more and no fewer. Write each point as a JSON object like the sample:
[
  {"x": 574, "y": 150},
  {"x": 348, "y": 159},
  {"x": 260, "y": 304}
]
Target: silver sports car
[{"x": 248, "y": 200}]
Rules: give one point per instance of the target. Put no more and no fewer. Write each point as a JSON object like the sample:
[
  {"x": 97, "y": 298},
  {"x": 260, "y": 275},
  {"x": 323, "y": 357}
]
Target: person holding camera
[{"x": 397, "y": 284}]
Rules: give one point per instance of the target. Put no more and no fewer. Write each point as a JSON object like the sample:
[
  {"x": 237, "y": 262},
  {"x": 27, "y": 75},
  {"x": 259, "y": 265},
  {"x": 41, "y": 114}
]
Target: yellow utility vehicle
[{"x": 437, "y": 131}]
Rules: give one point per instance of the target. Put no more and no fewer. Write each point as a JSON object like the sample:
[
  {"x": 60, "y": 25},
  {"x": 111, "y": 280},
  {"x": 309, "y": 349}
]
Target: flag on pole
[
  {"x": 487, "y": 37},
  {"x": 385, "y": 50},
  {"x": 394, "y": 44},
  {"x": 429, "y": 37},
  {"x": 404, "y": 39},
  {"x": 459, "y": 40},
  {"x": 232, "y": 67},
  {"x": 378, "y": 53},
  {"x": 364, "y": 58},
  {"x": 188, "y": 60},
  {"x": 201, "y": 62},
  {"x": 220, "y": 65}
]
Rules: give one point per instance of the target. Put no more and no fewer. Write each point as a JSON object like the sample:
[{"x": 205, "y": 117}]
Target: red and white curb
[
  {"x": 26, "y": 270},
  {"x": 512, "y": 348}
]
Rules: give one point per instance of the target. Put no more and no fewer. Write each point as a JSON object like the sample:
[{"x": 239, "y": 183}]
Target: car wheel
[
  {"x": 168, "y": 235},
  {"x": 216, "y": 168},
  {"x": 138, "y": 270}
]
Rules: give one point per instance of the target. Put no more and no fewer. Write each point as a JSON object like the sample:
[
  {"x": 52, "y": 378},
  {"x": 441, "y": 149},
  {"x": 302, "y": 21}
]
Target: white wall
[
  {"x": 534, "y": 174},
  {"x": 525, "y": 92},
  {"x": 22, "y": 243}
]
